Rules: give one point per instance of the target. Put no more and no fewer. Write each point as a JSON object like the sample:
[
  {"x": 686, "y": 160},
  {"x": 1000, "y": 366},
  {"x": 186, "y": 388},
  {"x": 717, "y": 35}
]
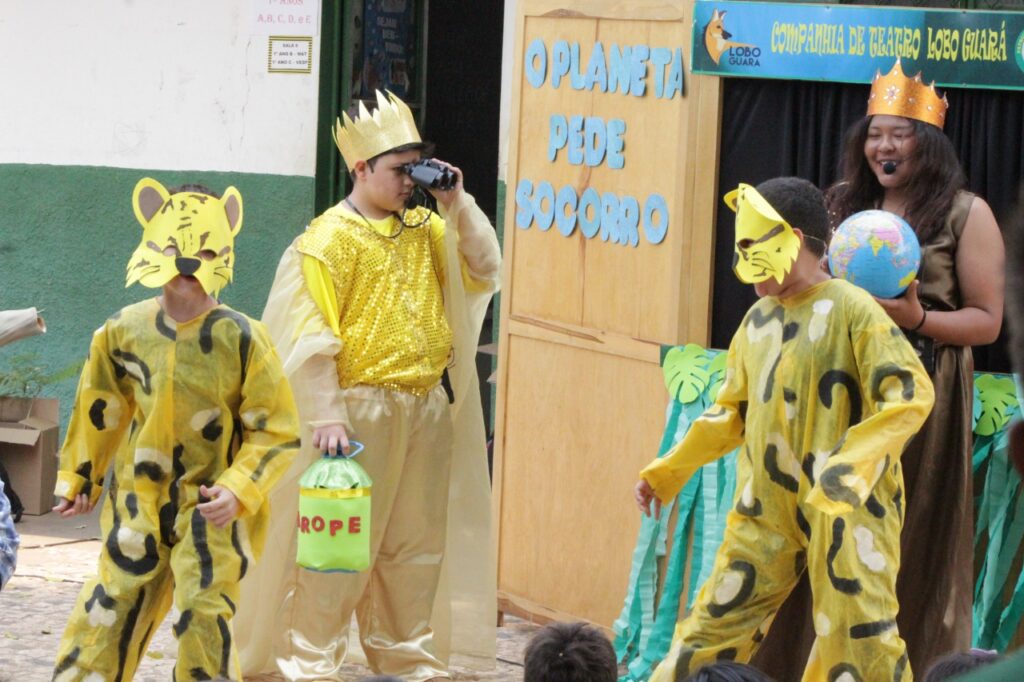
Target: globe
[{"x": 876, "y": 250}]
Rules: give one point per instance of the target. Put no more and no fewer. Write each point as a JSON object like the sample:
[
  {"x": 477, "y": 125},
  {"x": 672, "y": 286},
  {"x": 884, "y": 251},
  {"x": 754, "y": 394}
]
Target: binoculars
[{"x": 431, "y": 175}]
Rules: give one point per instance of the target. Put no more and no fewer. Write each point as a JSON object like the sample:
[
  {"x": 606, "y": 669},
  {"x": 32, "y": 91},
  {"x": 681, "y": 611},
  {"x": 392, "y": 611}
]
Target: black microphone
[{"x": 889, "y": 167}]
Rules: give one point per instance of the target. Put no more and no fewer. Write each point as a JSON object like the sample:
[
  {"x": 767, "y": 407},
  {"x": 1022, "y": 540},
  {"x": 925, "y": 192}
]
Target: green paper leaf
[
  {"x": 717, "y": 368},
  {"x": 998, "y": 397},
  {"x": 686, "y": 373}
]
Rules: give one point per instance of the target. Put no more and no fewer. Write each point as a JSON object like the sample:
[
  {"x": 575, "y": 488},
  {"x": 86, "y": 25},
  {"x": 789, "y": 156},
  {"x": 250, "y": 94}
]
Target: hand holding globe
[
  {"x": 879, "y": 252},
  {"x": 876, "y": 250}
]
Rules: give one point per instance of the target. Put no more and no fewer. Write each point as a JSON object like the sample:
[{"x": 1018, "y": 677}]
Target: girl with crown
[{"x": 897, "y": 159}]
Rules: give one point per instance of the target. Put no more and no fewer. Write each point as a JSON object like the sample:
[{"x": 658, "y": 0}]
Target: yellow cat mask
[
  {"x": 186, "y": 233},
  {"x": 766, "y": 245}
]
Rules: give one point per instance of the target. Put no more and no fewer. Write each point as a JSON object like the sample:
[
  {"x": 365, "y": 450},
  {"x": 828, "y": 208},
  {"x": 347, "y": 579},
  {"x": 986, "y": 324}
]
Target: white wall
[{"x": 151, "y": 84}]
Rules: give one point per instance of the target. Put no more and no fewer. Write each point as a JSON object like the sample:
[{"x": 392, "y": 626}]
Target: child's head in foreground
[
  {"x": 570, "y": 652},
  {"x": 781, "y": 228},
  {"x": 728, "y": 671}
]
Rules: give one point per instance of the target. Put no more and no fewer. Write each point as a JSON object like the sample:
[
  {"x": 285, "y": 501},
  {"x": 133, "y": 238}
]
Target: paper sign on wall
[{"x": 290, "y": 54}]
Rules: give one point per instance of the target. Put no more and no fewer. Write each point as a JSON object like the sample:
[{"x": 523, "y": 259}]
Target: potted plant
[{"x": 22, "y": 379}]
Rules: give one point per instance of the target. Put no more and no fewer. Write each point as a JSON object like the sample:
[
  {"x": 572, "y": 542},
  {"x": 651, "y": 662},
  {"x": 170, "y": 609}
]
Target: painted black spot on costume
[
  {"x": 199, "y": 674},
  {"x": 163, "y": 327},
  {"x": 85, "y": 471},
  {"x": 134, "y": 427},
  {"x": 150, "y": 470},
  {"x": 126, "y": 363},
  {"x": 126, "y": 634},
  {"x": 837, "y": 671},
  {"x": 236, "y": 439},
  {"x": 873, "y": 629},
  {"x": 753, "y": 510},
  {"x": 799, "y": 563},
  {"x": 758, "y": 636},
  {"x": 65, "y": 664},
  {"x": 237, "y": 544},
  {"x": 270, "y": 455},
  {"x": 807, "y": 466},
  {"x": 789, "y": 332},
  {"x": 837, "y": 377},
  {"x": 131, "y": 503},
  {"x": 760, "y": 320},
  {"x": 844, "y": 585},
  {"x": 890, "y": 370},
  {"x": 801, "y": 522},
  {"x": 683, "y": 663},
  {"x": 141, "y": 566},
  {"x": 202, "y": 548},
  {"x": 244, "y": 340},
  {"x": 231, "y": 604},
  {"x": 99, "y": 595},
  {"x": 901, "y": 668},
  {"x": 96, "y": 414},
  {"x": 225, "y": 651},
  {"x": 144, "y": 641},
  {"x": 749, "y": 575},
  {"x": 169, "y": 512},
  {"x": 897, "y": 501},
  {"x": 832, "y": 485},
  {"x": 874, "y": 507},
  {"x": 727, "y": 654},
  {"x": 212, "y": 430},
  {"x": 777, "y": 475},
  {"x": 183, "y": 622}
]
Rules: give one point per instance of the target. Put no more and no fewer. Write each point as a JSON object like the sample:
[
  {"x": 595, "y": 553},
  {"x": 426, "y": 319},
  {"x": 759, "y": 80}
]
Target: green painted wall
[{"x": 66, "y": 233}]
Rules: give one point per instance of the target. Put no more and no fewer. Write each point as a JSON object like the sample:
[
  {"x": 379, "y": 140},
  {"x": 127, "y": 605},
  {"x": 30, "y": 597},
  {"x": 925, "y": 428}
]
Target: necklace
[{"x": 401, "y": 225}]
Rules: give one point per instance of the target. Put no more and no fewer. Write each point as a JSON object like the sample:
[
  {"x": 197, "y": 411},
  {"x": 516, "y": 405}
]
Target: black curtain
[{"x": 772, "y": 128}]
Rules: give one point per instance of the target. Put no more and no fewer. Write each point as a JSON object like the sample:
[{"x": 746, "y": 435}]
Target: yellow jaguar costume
[
  {"x": 168, "y": 407},
  {"x": 823, "y": 393}
]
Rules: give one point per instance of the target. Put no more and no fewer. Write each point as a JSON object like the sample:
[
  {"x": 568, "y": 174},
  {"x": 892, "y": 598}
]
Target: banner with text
[{"x": 849, "y": 44}]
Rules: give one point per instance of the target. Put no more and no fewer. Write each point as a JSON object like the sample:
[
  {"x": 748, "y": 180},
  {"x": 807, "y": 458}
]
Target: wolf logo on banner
[{"x": 716, "y": 38}]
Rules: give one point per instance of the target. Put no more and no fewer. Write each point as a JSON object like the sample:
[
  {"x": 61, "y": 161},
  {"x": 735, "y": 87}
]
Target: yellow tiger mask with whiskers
[{"x": 186, "y": 233}]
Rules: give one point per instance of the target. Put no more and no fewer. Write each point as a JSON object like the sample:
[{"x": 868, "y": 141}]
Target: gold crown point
[
  {"x": 897, "y": 94},
  {"x": 390, "y": 125}
]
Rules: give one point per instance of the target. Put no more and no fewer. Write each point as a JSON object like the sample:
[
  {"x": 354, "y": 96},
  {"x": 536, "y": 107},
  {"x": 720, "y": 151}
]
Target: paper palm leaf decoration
[
  {"x": 686, "y": 373},
  {"x": 998, "y": 398}
]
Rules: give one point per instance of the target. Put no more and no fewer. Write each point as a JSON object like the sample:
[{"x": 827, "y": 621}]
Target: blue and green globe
[{"x": 876, "y": 250}]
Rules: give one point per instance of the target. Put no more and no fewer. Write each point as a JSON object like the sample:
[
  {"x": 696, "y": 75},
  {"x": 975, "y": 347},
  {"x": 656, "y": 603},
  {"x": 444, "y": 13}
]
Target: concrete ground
[{"x": 58, "y": 555}]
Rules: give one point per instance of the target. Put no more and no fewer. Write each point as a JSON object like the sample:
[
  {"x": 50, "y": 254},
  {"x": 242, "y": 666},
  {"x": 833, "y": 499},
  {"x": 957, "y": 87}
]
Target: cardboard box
[{"x": 28, "y": 450}]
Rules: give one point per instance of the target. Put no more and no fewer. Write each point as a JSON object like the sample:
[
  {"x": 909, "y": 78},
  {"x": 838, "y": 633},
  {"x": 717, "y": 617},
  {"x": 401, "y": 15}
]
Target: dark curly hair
[
  {"x": 802, "y": 205},
  {"x": 936, "y": 179},
  {"x": 570, "y": 652}
]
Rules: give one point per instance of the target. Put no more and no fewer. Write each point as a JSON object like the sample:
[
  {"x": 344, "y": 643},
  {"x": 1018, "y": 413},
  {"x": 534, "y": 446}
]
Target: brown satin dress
[{"x": 936, "y": 580}]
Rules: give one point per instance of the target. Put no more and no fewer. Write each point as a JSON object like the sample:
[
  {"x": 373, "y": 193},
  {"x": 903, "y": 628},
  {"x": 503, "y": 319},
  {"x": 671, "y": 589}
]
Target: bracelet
[{"x": 920, "y": 324}]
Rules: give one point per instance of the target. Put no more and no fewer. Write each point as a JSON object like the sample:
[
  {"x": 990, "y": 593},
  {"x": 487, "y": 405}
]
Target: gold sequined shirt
[{"x": 382, "y": 297}]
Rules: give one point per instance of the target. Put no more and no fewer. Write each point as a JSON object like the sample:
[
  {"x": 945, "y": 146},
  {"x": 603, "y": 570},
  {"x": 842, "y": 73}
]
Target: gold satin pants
[{"x": 408, "y": 443}]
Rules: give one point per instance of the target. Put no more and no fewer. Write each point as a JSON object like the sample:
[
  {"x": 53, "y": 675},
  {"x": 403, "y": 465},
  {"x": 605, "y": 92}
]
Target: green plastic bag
[{"x": 334, "y": 515}]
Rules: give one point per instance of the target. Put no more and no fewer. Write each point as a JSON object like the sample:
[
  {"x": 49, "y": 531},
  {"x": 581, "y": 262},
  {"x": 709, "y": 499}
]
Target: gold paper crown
[
  {"x": 390, "y": 125},
  {"x": 897, "y": 95}
]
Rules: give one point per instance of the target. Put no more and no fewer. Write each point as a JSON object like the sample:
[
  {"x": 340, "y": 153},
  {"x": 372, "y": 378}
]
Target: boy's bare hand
[
  {"x": 331, "y": 439},
  {"x": 82, "y": 504},
  {"x": 223, "y": 505},
  {"x": 643, "y": 493}
]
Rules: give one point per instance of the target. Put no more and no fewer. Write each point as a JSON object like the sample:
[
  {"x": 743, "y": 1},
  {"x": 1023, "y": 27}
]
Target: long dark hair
[{"x": 936, "y": 179}]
